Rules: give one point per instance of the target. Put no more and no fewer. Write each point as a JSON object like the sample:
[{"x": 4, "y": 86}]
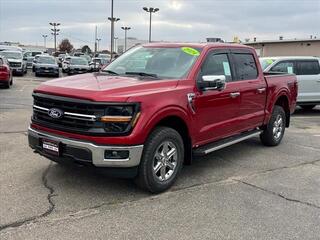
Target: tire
[
  {"x": 307, "y": 107},
  {"x": 11, "y": 82},
  {"x": 8, "y": 85},
  {"x": 153, "y": 175},
  {"x": 274, "y": 131},
  {"x": 36, "y": 74}
]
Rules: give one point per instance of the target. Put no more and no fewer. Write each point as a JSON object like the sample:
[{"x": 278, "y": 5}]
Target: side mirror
[{"x": 213, "y": 82}]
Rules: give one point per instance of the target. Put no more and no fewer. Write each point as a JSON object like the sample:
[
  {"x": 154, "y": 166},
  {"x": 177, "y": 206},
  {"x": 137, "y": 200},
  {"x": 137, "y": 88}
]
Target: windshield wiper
[
  {"x": 110, "y": 72},
  {"x": 143, "y": 74}
]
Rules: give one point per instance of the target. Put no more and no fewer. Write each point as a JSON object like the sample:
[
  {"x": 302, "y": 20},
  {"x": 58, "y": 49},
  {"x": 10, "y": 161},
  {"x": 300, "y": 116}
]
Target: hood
[
  {"x": 78, "y": 66},
  {"x": 103, "y": 87},
  {"x": 14, "y": 60},
  {"x": 46, "y": 65}
]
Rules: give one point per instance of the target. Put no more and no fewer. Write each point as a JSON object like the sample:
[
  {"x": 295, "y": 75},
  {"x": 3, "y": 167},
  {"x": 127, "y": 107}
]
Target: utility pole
[
  {"x": 115, "y": 44},
  {"x": 45, "y": 40},
  {"x": 150, "y": 10},
  {"x": 55, "y": 32},
  {"x": 113, "y": 20},
  {"x": 125, "y": 36},
  {"x": 98, "y": 41}
]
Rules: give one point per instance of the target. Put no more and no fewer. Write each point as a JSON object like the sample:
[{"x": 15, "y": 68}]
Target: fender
[
  {"x": 169, "y": 111},
  {"x": 272, "y": 101}
]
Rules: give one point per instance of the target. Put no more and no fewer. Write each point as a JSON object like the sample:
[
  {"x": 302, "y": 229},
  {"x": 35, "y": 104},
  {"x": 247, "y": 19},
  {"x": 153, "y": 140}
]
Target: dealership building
[{"x": 285, "y": 47}]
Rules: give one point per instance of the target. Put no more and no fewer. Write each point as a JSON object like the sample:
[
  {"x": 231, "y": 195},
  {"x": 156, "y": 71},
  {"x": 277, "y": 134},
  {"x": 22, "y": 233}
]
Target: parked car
[
  {"x": 6, "y": 78},
  {"x": 46, "y": 66},
  {"x": 76, "y": 65},
  {"x": 16, "y": 61},
  {"x": 154, "y": 108},
  {"x": 97, "y": 63},
  {"x": 29, "y": 56},
  {"x": 307, "y": 70}
]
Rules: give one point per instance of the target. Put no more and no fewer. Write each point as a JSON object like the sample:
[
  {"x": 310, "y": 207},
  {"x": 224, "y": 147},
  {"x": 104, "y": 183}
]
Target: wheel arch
[
  {"x": 178, "y": 120},
  {"x": 283, "y": 101}
]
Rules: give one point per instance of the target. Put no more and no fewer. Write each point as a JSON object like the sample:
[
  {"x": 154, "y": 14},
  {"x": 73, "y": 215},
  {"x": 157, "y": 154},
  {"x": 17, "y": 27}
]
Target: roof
[
  {"x": 291, "y": 57},
  {"x": 193, "y": 45},
  {"x": 282, "y": 41}
]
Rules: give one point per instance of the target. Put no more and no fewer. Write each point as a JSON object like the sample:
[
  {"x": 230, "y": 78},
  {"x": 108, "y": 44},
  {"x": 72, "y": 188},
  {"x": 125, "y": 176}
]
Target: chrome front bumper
[{"x": 97, "y": 151}]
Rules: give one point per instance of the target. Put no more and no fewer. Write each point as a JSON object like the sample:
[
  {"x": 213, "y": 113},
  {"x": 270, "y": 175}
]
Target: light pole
[
  {"x": 45, "y": 40},
  {"x": 125, "y": 36},
  {"x": 150, "y": 10},
  {"x": 98, "y": 40},
  {"x": 113, "y": 20},
  {"x": 55, "y": 32}
]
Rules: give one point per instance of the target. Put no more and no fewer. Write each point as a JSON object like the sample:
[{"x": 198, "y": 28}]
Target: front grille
[
  {"x": 14, "y": 64},
  {"x": 47, "y": 68},
  {"x": 76, "y": 114}
]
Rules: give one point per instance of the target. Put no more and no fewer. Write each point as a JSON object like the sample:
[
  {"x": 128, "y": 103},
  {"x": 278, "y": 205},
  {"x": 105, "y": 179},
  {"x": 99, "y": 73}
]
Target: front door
[{"x": 216, "y": 110}]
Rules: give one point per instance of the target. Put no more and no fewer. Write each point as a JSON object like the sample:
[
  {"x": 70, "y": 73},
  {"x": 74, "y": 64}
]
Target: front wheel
[
  {"x": 162, "y": 160},
  {"x": 274, "y": 131}
]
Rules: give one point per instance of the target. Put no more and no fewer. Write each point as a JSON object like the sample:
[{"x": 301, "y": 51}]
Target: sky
[{"x": 25, "y": 21}]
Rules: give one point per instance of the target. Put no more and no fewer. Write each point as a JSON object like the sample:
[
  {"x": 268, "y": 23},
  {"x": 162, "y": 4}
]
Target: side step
[{"x": 211, "y": 147}]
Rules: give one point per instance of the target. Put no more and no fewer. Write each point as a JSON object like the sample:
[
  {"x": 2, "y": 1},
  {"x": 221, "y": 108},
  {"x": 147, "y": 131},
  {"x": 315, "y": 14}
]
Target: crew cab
[
  {"x": 307, "y": 70},
  {"x": 158, "y": 106}
]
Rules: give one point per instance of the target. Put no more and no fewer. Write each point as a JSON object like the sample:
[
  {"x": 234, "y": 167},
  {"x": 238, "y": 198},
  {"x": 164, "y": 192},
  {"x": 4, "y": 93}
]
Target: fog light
[{"x": 116, "y": 154}]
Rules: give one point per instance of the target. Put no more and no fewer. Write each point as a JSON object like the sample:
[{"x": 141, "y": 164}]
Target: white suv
[{"x": 307, "y": 70}]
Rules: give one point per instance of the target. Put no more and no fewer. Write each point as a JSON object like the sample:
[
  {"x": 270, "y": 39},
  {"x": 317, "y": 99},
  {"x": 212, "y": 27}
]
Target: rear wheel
[
  {"x": 307, "y": 107},
  {"x": 274, "y": 131},
  {"x": 162, "y": 160}
]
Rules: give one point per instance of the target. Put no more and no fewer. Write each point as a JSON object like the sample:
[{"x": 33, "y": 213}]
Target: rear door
[
  {"x": 252, "y": 87},
  {"x": 308, "y": 75}
]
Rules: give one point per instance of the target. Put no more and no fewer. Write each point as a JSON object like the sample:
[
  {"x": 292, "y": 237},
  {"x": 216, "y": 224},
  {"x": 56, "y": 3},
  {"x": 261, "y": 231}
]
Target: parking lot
[{"x": 246, "y": 191}]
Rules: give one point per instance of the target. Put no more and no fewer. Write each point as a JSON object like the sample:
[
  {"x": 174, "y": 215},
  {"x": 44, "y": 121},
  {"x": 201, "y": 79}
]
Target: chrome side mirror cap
[{"x": 214, "y": 82}]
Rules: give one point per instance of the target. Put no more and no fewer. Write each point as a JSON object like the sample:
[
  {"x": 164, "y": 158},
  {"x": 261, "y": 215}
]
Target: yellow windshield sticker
[
  {"x": 269, "y": 61},
  {"x": 190, "y": 51}
]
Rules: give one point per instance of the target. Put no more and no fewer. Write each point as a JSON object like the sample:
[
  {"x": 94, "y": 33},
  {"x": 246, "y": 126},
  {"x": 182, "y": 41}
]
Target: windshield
[
  {"x": 78, "y": 61},
  {"x": 266, "y": 62},
  {"x": 46, "y": 60},
  {"x": 163, "y": 62},
  {"x": 11, "y": 55}
]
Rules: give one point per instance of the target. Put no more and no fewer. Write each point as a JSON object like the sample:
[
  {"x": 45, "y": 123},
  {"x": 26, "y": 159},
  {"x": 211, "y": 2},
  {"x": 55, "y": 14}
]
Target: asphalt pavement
[{"x": 246, "y": 191}]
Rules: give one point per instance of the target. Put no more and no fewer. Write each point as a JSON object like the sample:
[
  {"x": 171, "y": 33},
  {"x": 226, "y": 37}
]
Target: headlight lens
[{"x": 120, "y": 119}]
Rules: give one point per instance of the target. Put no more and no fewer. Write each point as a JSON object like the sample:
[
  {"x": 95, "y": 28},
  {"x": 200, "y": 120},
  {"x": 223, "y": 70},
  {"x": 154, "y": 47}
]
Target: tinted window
[
  {"x": 285, "y": 67},
  {"x": 308, "y": 68},
  {"x": 246, "y": 66},
  {"x": 1, "y": 61},
  {"x": 217, "y": 64}
]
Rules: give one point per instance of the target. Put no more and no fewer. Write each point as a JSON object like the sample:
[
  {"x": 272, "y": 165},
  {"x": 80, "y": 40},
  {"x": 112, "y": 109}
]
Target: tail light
[{"x": 3, "y": 69}]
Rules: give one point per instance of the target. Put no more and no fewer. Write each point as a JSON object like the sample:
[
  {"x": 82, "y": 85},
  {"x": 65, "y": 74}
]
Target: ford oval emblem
[{"x": 55, "y": 113}]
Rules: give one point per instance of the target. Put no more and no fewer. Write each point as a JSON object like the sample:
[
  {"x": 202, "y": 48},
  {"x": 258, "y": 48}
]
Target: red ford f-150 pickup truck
[{"x": 157, "y": 106}]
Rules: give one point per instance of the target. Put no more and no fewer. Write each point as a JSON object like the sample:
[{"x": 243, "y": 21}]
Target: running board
[{"x": 211, "y": 147}]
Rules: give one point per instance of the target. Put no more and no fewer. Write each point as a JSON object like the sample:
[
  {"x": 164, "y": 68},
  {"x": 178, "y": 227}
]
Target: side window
[
  {"x": 217, "y": 64},
  {"x": 246, "y": 66},
  {"x": 308, "y": 68},
  {"x": 285, "y": 67}
]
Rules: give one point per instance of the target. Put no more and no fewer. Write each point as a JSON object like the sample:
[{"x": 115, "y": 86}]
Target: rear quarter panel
[{"x": 280, "y": 85}]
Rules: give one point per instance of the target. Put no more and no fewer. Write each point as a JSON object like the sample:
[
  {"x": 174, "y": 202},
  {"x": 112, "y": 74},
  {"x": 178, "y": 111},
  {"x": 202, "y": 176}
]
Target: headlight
[{"x": 120, "y": 119}]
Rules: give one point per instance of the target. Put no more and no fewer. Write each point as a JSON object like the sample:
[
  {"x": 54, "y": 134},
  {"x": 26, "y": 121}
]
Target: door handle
[
  {"x": 234, "y": 94},
  {"x": 261, "y": 90}
]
